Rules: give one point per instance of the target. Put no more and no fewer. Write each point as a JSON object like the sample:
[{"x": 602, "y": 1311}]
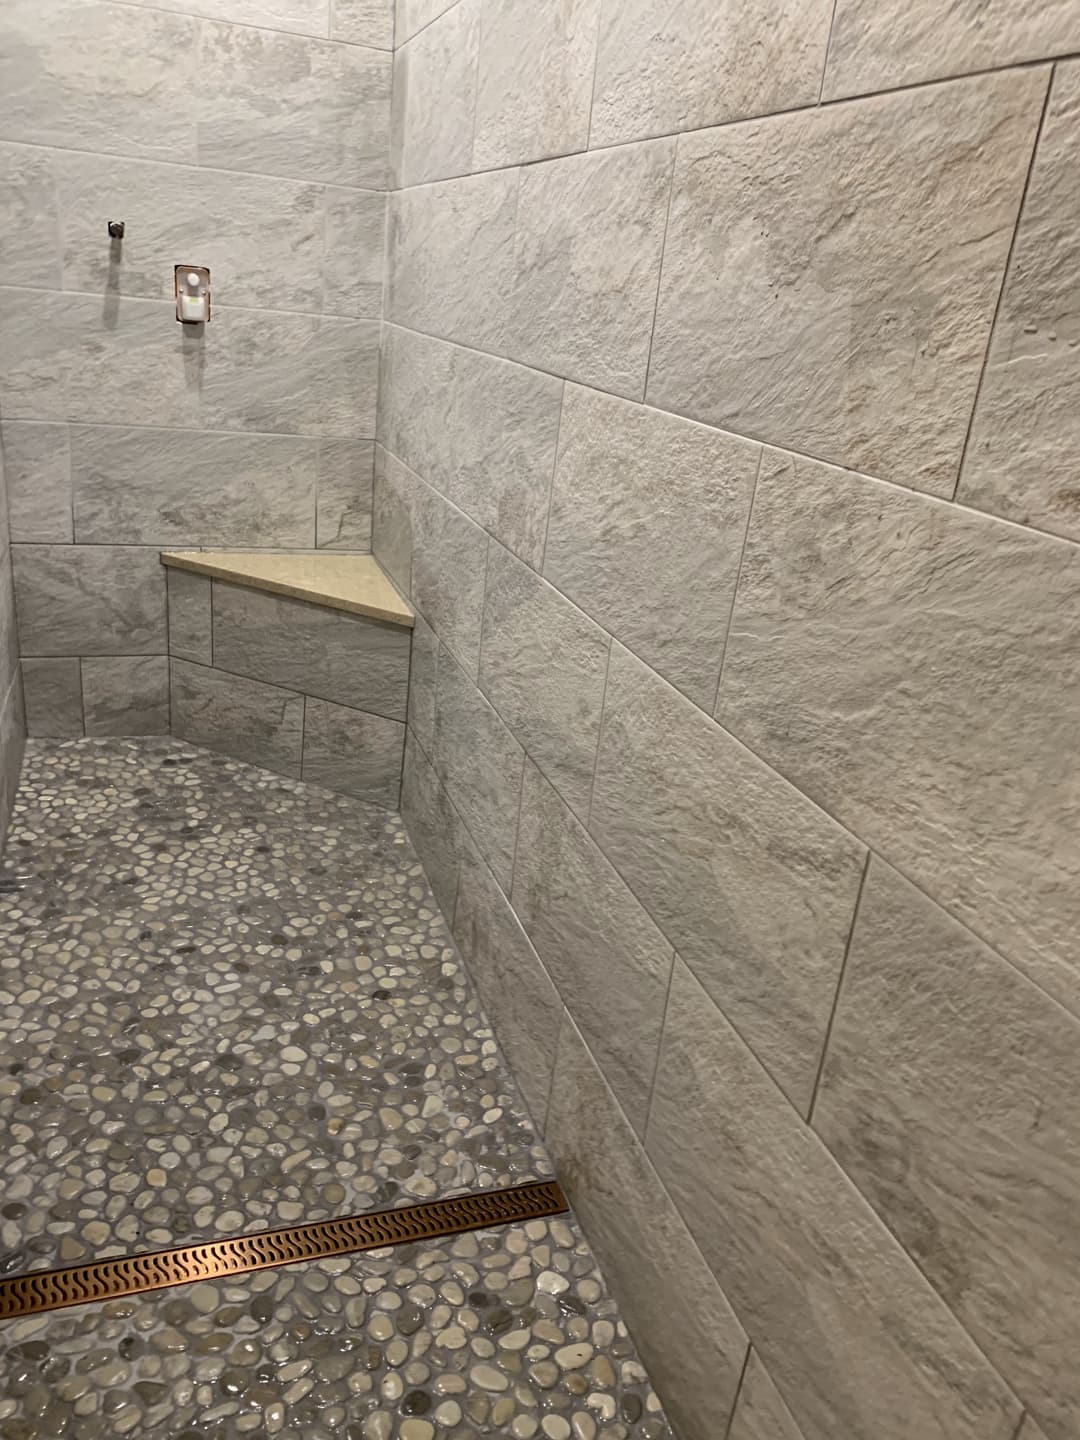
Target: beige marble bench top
[{"x": 356, "y": 583}]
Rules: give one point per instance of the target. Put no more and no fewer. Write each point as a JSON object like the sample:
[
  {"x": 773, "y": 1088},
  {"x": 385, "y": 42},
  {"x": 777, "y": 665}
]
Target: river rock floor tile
[
  {"x": 228, "y": 1001},
  {"x": 507, "y": 1332}
]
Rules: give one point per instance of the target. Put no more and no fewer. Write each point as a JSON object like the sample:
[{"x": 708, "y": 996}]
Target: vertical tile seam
[
  {"x": 742, "y": 1381},
  {"x": 659, "y": 270},
  {"x": 828, "y": 47},
  {"x": 1006, "y": 275},
  {"x": 595, "y": 71},
  {"x": 735, "y": 587},
  {"x": 476, "y": 78},
  {"x": 599, "y": 737},
  {"x": 659, "y": 1047},
  {"x": 836, "y": 993},
  {"x": 551, "y": 482}
]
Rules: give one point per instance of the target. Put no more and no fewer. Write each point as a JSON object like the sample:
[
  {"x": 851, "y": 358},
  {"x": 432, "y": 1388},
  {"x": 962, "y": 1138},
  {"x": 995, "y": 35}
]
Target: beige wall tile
[{"x": 363, "y": 22}]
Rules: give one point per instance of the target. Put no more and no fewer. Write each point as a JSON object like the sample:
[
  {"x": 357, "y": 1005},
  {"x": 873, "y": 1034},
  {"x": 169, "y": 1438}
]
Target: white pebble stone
[
  {"x": 448, "y": 1414},
  {"x": 416, "y": 1430},
  {"x": 555, "y": 1427},
  {"x": 488, "y": 1378},
  {"x": 552, "y": 1284},
  {"x": 524, "y": 1427},
  {"x": 584, "y": 1426}
]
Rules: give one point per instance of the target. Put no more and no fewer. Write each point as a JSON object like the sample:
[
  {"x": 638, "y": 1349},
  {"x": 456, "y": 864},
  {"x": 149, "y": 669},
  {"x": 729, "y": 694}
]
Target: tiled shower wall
[
  {"x": 12, "y": 722},
  {"x": 250, "y": 136},
  {"x": 728, "y": 442}
]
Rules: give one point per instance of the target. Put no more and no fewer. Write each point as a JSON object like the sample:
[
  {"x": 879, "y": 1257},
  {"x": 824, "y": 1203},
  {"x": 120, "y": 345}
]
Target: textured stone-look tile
[
  {"x": 662, "y": 68},
  {"x": 609, "y": 961},
  {"x": 392, "y": 518},
  {"x": 288, "y": 105},
  {"x": 1021, "y": 456},
  {"x": 145, "y": 486},
  {"x": 126, "y": 694},
  {"x": 515, "y": 989},
  {"x": 348, "y": 659},
  {"x": 480, "y": 763},
  {"x": 71, "y": 357},
  {"x": 912, "y": 668},
  {"x": 859, "y": 338},
  {"x": 304, "y": 17},
  {"x": 434, "y": 826},
  {"x": 423, "y": 670},
  {"x": 30, "y": 248},
  {"x": 543, "y": 665},
  {"x": 801, "y": 1255},
  {"x": 262, "y": 724},
  {"x": 353, "y": 751},
  {"x": 52, "y": 693},
  {"x": 435, "y": 96},
  {"x": 1030, "y": 1430},
  {"x": 363, "y": 22},
  {"x": 760, "y": 1413},
  {"x": 113, "y": 78},
  {"x": 876, "y": 44},
  {"x": 12, "y": 745},
  {"x": 190, "y": 617},
  {"x": 451, "y": 258},
  {"x": 304, "y": 374},
  {"x": 448, "y": 560},
  {"x": 354, "y": 259},
  {"x": 665, "y": 1289},
  {"x": 949, "y": 1095},
  {"x": 480, "y": 430},
  {"x": 648, "y": 515},
  {"x": 90, "y": 600},
  {"x": 535, "y": 81},
  {"x": 37, "y": 469},
  {"x": 590, "y": 230},
  {"x": 346, "y": 476},
  {"x": 753, "y": 885},
  {"x": 413, "y": 15}
]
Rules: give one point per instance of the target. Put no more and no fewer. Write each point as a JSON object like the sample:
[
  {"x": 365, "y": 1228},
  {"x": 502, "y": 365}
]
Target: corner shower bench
[{"x": 297, "y": 662}]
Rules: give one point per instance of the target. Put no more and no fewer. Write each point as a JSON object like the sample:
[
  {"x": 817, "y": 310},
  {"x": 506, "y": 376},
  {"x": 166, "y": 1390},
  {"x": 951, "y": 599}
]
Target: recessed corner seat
[
  {"x": 297, "y": 662},
  {"x": 356, "y": 583}
]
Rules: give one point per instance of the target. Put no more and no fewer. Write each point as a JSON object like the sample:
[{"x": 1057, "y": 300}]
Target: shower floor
[{"x": 228, "y": 1001}]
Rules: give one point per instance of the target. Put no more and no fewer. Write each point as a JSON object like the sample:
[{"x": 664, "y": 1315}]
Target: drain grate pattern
[{"x": 157, "y": 1269}]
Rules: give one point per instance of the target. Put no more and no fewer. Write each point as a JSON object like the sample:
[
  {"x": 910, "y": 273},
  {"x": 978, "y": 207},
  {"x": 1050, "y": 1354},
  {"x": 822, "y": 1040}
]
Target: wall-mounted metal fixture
[
  {"x": 116, "y": 229},
  {"x": 192, "y": 294}
]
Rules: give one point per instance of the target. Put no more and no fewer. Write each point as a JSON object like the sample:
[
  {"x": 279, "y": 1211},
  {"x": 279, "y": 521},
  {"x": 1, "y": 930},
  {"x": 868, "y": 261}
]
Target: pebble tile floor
[{"x": 228, "y": 1001}]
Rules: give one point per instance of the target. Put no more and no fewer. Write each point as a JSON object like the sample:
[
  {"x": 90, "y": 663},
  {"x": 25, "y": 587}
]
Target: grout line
[
  {"x": 551, "y": 482},
  {"x": 82, "y": 693},
  {"x": 1006, "y": 275},
  {"x": 426, "y": 26},
  {"x": 828, "y": 47},
  {"x": 483, "y": 611},
  {"x": 247, "y": 25},
  {"x": 659, "y": 1047},
  {"x": 660, "y": 267},
  {"x": 836, "y": 992},
  {"x": 476, "y": 83},
  {"x": 738, "y": 577},
  {"x": 165, "y": 304},
  {"x": 312, "y": 438},
  {"x": 599, "y": 736},
  {"x": 742, "y": 1380},
  {"x": 770, "y": 443},
  {"x": 595, "y": 71}
]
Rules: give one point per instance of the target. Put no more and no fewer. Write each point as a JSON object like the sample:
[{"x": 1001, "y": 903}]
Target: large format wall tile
[
  {"x": 515, "y": 989},
  {"x": 343, "y": 511},
  {"x": 753, "y": 885},
  {"x": 857, "y": 1340},
  {"x": 190, "y": 616},
  {"x": 589, "y": 234},
  {"x": 392, "y": 518},
  {"x": 348, "y": 659},
  {"x": 37, "y": 469},
  {"x": 52, "y": 691},
  {"x": 304, "y": 17},
  {"x": 648, "y": 516},
  {"x": 261, "y": 724},
  {"x": 126, "y": 694},
  {"x": 354, "y": 223},
  {"x": 172, "y": 487},
  {"x": 450, "y": 258},
  {"x": 913, "y": 668},
  {"x": 761, "y": 1413},
  {"x": 534, "y": 89},
  {"x": 435, "y": 96},
  {"x": 108, "y": 77},
  {"x": 663, "y": 67},
  {"x": 31, "y": 252},
  {"x": 413, "y": 15},
  {"x": 363, "y": 22},
  {"x": 481, "y": 431},
  {"x": 666, "y": 1292},
  {"x": 878, "y": 43},
  {"x": 610, "y": 963},
  {"x": 543, "y": 665},
  {"x": 287, "y": 105},
  {"x": 1021, "y": 455},
  {"x": 90, "y": 600},
  {"x": 423, "y": 678},
  {"x": 950, "y": 1095},
  {"x": 354, "y": 752},
  {"x": 830, "y": 276},
  {"x": 434, "y": 826},
  {"x": 12, "y": 744},
  {"x": 305, "y": 374},
  {"x": 448, "y": 561},
  {"x": 480, "y": 763}
]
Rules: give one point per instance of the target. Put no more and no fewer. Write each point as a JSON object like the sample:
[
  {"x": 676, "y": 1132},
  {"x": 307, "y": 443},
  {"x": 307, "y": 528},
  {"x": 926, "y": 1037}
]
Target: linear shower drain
[{"x": 157, "y": 1269}]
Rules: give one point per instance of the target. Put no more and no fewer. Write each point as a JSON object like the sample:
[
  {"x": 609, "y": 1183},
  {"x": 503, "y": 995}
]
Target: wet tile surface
[{"x": 228, "y": 1001}]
